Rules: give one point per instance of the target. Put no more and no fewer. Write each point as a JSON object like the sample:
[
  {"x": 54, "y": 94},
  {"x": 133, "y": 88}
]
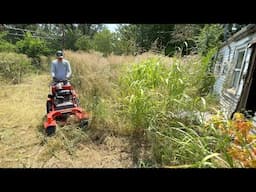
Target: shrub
[
  {"x": 13, "y": 66},
  {"x": 84, "y": 43},
  {"x": 5, "y": 46},
  {"x": 32, "y": 47},
  {"x": 157, "y": 101}
]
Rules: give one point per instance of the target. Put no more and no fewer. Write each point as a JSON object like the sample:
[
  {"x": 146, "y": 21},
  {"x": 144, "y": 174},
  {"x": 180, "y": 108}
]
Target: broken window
[
  {"x": 238, "y": 69},
  {"x": 225, "y": 68},
  {"x": 218, "y": 65}
]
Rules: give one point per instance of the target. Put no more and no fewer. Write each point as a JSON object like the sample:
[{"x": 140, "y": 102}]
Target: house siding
[{"x": 228, "y": 100}]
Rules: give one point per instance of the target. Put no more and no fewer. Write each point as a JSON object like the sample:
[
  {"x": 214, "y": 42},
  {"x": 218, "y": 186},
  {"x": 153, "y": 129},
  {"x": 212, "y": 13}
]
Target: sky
[{"x": 112, "y": 27}]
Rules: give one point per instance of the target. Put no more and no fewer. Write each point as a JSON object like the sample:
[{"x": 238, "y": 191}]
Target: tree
[
  {"x": 5, "y": 46},
  {"x": 32, "y": 47},
  {"x": 124, "y": 40},
  {"x": 159, "y": 34},
  {"x": 90, "y": 29},
  {"x": 103, "y": 41},
  {"x": 72, "y": 32},
  {"x": 209, "y": 37},
  {"x": 84, "y": 43},
  {"x": 183, "y": 37}
]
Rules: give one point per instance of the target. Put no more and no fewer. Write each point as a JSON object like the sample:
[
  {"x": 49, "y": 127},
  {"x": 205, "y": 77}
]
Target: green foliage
[
  {"x": 31, "y": 46},
  {"x": 184, "y": 146},
  {"x": 102, "y": 41},
  {"x": 158, "y": 103},
  {"x": 5, "y": 46},
  {"x": 129, "y": 38},
  {"x": 207, "y": 78},
  {"x": 138, "y": 89},
  {"x": 147, "y": 34},
  {"x": 209, "y": 37},
  {"x": 183, "y": 37},
  {"x": 84, "y": 43},
  {"x": 13, "y": 66},
  {"x": 89, "y": 29},
  {"x": 207, "y": 83},
  {"x": 124, "y": 41},
  {"x": 71, "y": 37},
  {"x": 160, "y": 38},
  {"x": 74, "y": 33}
]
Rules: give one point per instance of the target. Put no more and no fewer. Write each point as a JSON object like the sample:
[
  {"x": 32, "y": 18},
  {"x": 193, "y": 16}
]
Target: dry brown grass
[
  {"x": 23, "y": 143},
  {"x": 92, "y": 71},
  {"x": 21, "y": 110}
]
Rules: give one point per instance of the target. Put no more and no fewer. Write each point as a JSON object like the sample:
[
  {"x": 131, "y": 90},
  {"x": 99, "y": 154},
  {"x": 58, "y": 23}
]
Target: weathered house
[{"x": 235, "y": 71}]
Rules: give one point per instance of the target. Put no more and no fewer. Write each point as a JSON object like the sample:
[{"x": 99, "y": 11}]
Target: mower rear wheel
[
  {"x": 84, "y": 124},
  {"x": 48, "y": 106},
  {"x": 77, "y": 102},
  {"x": 50, "y": 130}
]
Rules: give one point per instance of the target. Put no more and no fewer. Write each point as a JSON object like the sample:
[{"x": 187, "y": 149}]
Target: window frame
[
  {"x": 219, "y": 63},
  {"x": 235, "y": 84}
]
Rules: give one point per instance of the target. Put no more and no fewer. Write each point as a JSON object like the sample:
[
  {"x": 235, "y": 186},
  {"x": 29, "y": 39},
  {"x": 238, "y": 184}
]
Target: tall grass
[
  {"x": 13, "y": 66},
  {"x": 96, "y": 80},
  {"x": 159, "y": 104},
  {"x": 154, "y": 98}
]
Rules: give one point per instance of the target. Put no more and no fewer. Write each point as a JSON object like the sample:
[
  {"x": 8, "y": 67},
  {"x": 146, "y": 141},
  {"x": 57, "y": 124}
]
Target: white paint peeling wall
[
  {"x": 227, "y": 53},
  {"x": 229, "y": 101}
]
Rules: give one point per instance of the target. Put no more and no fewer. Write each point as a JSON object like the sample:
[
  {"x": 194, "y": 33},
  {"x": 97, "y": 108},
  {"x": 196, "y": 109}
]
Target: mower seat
[
  {"x": 64, "y": 92},
  {"x": 64, "y": 105}
]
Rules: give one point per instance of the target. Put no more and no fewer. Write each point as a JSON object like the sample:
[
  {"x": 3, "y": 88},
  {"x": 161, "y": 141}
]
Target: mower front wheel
[
  {"x": 50, "y": 130},
  {"x": 84, "y": 124}
]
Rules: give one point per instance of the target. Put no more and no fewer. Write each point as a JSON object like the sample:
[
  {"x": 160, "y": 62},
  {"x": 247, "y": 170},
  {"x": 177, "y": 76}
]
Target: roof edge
[{"x": 247, "y": 30}]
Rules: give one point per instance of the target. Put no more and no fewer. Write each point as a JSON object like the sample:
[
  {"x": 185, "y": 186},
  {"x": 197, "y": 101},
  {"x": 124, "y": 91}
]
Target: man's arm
[
  {"x": 52, "y": 70},
  {"x": 69, "y": 72}
]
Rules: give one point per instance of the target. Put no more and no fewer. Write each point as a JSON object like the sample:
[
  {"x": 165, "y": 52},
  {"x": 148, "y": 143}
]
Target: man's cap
[{"x": 59, "y": 54}]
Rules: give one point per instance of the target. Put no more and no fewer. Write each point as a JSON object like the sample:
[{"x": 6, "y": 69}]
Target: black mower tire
[
  {"x": 50, "y": 130},
  {"x": 48, "y": 107},
  {"x": 77, "y": 102},
  {"x": 84, "y": 124}
]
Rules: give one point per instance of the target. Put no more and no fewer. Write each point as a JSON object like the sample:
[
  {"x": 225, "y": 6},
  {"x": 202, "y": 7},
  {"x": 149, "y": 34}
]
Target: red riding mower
[{"x": 62, "y": 103}]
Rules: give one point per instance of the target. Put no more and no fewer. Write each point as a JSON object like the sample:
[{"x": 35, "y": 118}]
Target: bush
[
  {"x": 45, "y": 63},
  {"x": 102, "y": 41},
  {"x": 13, "y": 66},
  {"x": 207, "y": 78},
  {"x": 5, "y": 46},
  {"x": 156, "y": 100},
  {"x": 84, "y": 43},
  {"x": 33, "y": 47},
  {"x": 209, "y": 37}
]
